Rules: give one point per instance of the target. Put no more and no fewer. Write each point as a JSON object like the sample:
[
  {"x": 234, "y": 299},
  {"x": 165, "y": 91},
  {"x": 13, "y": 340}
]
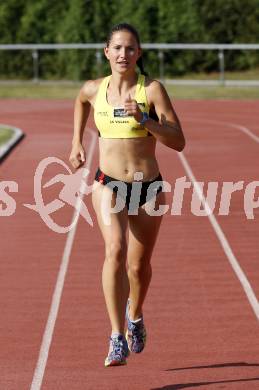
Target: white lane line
[
  {"x": 223, "y": 240},
  {"x": 56, "y": 298},
  {"x": 244, "y": 129}
]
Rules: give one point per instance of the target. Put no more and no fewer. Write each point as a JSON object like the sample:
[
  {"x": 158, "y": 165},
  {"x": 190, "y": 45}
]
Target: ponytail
[{"x": 141, "y": 66}]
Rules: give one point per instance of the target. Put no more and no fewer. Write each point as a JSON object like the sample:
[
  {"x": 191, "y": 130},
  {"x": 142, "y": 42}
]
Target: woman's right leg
[{"x": 114, "y": 276}]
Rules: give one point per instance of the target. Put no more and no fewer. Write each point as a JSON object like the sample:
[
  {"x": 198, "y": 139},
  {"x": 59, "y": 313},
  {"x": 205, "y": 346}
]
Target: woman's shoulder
[
  {"x": 89, "y": 89},
  {"x": 154, "y": 88},
  {"x": 153, "y": 85}
]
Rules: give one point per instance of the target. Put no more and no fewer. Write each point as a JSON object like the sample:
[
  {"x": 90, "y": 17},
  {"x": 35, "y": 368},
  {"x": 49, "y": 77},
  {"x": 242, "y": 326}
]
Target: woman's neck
[{"x": 123, "y": 82}]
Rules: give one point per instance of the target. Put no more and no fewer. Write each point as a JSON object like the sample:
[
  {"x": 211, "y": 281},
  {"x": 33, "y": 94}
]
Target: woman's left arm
[{"x": 168, "y": 130}]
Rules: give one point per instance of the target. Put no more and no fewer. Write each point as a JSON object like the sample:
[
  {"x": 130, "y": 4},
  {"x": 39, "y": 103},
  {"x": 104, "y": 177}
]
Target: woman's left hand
[{"x": 132, "y": 109}]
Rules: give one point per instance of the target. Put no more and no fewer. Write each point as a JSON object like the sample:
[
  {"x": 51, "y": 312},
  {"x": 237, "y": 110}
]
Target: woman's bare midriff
[{"x": 120, "y": 158}]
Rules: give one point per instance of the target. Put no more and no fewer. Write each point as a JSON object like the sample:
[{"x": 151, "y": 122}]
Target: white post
[
  {"x": 161, "y": 65},
  {"x": 35, "y": 57},
  {"x": 98, "y": 56},
  {"x": 221, "y": 67}
]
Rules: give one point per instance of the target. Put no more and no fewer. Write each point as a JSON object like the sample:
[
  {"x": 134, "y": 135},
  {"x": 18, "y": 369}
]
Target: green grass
[
  {"x": 251, "y": 74},
  {"x": 5, "y": 135},
  {"x": 211, "y": 92},
  {"x": 69, "y": 90},
  {"x": 39, "y": 90}
]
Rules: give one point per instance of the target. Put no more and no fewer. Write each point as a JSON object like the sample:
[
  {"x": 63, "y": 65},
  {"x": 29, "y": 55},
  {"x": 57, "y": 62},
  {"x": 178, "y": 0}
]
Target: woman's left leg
[{"x": 143, "y": 232}]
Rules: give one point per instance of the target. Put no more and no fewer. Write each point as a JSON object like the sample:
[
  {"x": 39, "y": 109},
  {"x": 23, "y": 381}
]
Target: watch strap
[{"x": 145, "y": 117}]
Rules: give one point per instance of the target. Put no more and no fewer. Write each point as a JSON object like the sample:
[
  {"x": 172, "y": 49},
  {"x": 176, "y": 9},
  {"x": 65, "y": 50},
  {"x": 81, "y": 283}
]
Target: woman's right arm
[{"x": 81, "y": 113}]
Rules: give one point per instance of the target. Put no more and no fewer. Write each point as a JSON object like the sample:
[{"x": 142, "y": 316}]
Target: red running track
[{"x": 202, "y": 327}]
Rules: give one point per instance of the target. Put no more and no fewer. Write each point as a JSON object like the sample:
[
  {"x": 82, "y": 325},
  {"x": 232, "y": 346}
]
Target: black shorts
[{"x": 136, "y": 194}]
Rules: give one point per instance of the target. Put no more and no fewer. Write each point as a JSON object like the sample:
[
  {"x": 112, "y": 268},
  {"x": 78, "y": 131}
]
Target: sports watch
[{"x": 145, "y": 117}]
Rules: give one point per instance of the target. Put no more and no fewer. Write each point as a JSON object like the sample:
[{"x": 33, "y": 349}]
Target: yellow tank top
[{"x": 112, "y": 121}]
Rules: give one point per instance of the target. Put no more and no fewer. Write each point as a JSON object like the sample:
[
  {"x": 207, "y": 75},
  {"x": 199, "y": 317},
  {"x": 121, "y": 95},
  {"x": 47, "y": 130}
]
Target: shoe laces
[
  {"x": 137, "y": 331},
  {"x": 117, "y": 347}
]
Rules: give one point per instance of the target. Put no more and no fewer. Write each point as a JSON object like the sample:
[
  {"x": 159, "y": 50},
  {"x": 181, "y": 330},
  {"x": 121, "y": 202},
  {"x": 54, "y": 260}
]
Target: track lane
[
  {"x": 201, "y": 293},
  {"x": 30, "y": 252},
  {"x": 195, "y": 305},
  {"x": 233, "y": 156}
]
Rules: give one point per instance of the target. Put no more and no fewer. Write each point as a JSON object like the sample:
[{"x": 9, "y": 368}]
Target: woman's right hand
[{"x": 77, "y": 155}]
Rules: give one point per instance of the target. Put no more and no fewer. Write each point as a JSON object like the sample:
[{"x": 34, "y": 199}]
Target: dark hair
[{"x": 132, "y": 30}]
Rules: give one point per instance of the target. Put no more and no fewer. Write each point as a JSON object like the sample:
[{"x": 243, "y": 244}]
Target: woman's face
[{"x": 123, "y": 51}]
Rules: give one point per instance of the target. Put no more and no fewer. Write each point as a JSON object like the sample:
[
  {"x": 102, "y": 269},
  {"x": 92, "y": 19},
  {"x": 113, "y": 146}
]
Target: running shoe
[
  {"x": 136, "y": 333},
  {"x": 118, "y": 351}
]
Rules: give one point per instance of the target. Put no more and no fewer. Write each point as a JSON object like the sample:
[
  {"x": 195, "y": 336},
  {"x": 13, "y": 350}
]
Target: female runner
[{"x": 132, "y": 112}]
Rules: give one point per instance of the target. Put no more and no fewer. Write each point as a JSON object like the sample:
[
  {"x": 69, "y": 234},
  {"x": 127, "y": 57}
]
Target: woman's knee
[
  {"x": 140, "y": 268},
  {"x": 116, "y": 252}
]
